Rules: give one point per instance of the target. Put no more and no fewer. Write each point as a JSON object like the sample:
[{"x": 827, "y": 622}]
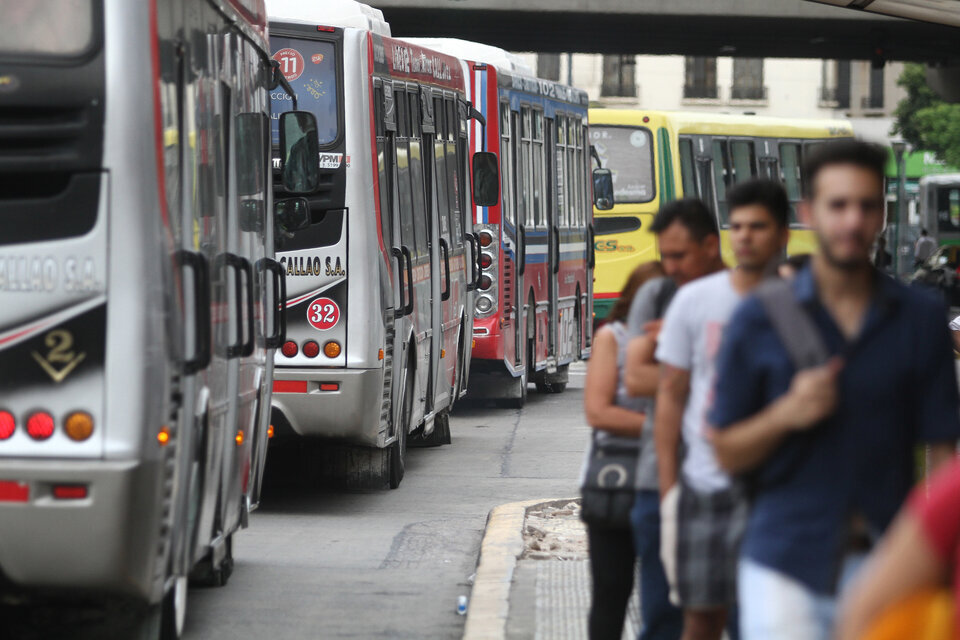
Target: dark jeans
[
  {"x": 611, "y": 566},
  {"x": 661, "y": 620}
]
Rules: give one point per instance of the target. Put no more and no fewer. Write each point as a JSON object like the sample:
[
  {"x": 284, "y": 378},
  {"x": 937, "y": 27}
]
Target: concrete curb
[{"x": 502, "y": 545}]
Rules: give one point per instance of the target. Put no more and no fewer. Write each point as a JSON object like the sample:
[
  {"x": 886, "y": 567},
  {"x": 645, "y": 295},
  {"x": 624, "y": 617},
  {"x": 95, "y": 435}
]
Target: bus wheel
[
  {"x": 204, "y": 574},
  {"x": 398, "y": 451},
  {"x": 554, "y": 382},
  {"x": 174, "y": 611},
  {"x": 440, "y": 434}
]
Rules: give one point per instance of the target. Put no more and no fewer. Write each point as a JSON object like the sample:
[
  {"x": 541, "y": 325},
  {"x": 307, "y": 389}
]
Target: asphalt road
[{"x": 391, "y": 564}]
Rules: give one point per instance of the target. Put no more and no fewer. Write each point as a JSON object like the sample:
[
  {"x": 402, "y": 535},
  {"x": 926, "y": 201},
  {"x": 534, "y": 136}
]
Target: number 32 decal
[{"x": 323, "y": 314}]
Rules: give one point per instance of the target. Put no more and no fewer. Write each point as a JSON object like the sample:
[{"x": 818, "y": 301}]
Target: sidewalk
[{"x": 534, "y": 565}]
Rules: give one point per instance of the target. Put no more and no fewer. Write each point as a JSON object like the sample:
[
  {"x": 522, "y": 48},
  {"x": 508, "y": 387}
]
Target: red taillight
[
  {"x": 311, "y": 349},
  {"x": 7, "y": 424},
  {"x": 646, "y": 118},
  {"x": 329, "y": 386},
  {"x": 486, "y": 260},
  {"x": 13, "y": 491},
  {"x": 70, "y": 492},
  {"x": 326, "y": 29},
  {"x": 289, "y": 386},
  {"x": 485, "y": 239},
  {"x": 485, "y": 282},
  {"x": 289, "y": 349},
  {"x": 40, "y": 425}
]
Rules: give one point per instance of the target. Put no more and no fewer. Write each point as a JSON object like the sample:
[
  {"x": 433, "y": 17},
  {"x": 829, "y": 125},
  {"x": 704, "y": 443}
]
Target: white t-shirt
[
  {"x": 690, "y": 340},
  {"x": 955, "y": 324}
]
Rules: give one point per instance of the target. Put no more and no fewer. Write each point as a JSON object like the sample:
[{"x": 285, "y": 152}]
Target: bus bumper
[
  {"x": 487, "y": 339},
  {"x": 350, "y": 413},
  {"x": 106, "y": 543}
]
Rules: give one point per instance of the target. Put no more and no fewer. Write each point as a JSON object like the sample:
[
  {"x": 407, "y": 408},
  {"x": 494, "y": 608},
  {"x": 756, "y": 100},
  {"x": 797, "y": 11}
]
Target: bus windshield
[
  {"x": 46, "y": 27},
  {"x": 628, "y": 153},
  {"x": 311, "y": 68}
]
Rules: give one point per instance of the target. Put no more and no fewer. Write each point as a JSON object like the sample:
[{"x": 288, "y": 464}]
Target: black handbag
[{"x": 608, "y": 486}]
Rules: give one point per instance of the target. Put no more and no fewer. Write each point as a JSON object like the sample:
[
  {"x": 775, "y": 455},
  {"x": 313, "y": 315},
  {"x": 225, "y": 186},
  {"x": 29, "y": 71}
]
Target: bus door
[
  {"x": 439, "y": 250},
  {"x": 520, "y": 241},
  {"x": 413, "y": 223},
  {"x": 553, "y": 184}
]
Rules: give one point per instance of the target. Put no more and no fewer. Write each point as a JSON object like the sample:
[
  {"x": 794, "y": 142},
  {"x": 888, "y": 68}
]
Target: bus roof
[
  {"x": 331, "y": 13},
  {"x": 477, "y": 52},
  {"x": 942, "y": 178},
  {"x": 727, "y": 124}
]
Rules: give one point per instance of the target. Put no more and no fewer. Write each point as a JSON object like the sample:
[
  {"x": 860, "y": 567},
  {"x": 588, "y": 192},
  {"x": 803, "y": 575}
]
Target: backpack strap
[{"x": 793, "y": 324}]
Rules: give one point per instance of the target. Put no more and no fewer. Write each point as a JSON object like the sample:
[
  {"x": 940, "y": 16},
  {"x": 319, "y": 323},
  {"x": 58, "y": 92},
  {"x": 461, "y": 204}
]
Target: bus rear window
[
  {"x": 311, "y": 68},
  {"x": 46, "y": 27},
  {"x": 628, "y": 153}
]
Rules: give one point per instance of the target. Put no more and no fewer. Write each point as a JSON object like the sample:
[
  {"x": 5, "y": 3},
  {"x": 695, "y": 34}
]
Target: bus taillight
[
  {"x": 311, "y": 349},
  {"x": 40, "y": 425},
  {"x": 486, "y": 260},
  {"x": 78, "y": 426},
  {"x": 7, "y": 424},
  {"x": 289, "y": 349}
]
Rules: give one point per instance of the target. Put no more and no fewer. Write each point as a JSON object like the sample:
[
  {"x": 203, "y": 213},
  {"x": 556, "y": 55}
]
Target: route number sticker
[
  {"x": 291, "y": 63},
  {"x": 323, "y": 314}
]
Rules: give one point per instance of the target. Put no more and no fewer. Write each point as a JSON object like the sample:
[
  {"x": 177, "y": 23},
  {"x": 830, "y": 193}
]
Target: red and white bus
[
  {"x": 380, "y": 273},
  {"x": 533, "y": 308}
]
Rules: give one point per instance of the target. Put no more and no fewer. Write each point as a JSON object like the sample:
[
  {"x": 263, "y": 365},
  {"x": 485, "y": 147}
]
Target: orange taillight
[
  {"x": 331, "y": 349},
  {"x": 163, "y": 436},
  {"x": 78, "y": 426},
  {"x": 239, "y": 437}
]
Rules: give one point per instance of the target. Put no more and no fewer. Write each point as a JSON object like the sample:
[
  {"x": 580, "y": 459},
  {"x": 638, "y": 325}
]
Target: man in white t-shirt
[{"x": 701, "y": 553}]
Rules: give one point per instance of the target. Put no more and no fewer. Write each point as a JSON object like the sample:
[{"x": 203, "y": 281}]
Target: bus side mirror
[
  {"x": 486, "y": 179},
  {"x": 292, "y": 214},
  {"x": 603, "y": 189},
  {"x": 299, "y": 151}
]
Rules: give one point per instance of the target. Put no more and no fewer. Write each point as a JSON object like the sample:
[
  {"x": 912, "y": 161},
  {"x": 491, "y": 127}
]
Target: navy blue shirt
[{"x": 898, "y": 388}]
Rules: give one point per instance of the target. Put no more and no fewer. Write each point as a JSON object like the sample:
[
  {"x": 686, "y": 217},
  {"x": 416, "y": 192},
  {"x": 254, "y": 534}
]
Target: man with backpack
[
  {"x": 824, "y": 389},
  {"x": 689, "y": 243},
  {"x": 696, "y": 493}
]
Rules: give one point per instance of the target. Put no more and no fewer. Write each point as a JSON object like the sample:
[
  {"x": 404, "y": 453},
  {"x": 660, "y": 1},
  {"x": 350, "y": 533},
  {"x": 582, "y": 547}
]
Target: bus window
[
  {"x": 384, "y": 168},
  {"x": 744, "y": 160},
  {"x": 722, "y": 178},
  {"x": 455, "y": 194},
  {"x": 687, "y": 172},
  {"x": 417, "y": 187},
  {"x": 405, "y": 203},
  {"x": 506, "y": 182},
  {"x": 539, "y": 191},
  {"x": 559, "y": 154},
  {"x": 628, "y": 153},
  {"x": 440, "y": 168},
  {"x": 316, "y": 86},
  {"x": 948, "y": 209},
  {"x": 568, "y": 179},
  {"x": 705, "y": 180},
  {"x": 790, "y": 174},
  {"x": 526, "y": 163}
]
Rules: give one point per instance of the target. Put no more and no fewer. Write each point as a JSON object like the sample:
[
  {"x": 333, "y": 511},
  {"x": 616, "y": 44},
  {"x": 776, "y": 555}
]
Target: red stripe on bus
[
  {"x": 13, "y": 491},
  {"x": 606, "y": 295},
  {"x": 289, "y": 386}
]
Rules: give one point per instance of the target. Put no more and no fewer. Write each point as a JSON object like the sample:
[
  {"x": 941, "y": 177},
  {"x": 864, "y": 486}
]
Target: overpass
[{"x": 746, "y": 28}]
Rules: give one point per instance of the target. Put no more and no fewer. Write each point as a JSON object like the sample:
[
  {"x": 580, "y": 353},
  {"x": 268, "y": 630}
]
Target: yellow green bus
[{"x": 659, "y": 156}]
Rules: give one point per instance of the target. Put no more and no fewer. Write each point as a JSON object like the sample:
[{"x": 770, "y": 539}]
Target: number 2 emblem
[{"x": 323, "y": 314}]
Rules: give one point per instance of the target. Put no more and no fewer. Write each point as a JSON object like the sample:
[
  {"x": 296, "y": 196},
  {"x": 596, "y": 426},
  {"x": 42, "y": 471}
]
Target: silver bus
[
  {"x": 381, "y": 272},
  {"x": 141, "y": 300}
]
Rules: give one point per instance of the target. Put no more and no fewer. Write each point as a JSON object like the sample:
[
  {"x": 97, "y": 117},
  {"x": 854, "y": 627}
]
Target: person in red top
[{"x": 921, "y": 550}]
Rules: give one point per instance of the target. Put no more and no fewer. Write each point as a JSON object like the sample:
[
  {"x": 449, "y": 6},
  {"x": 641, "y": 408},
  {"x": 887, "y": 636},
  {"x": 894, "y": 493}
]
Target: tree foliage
[{"x": 924, "y": 120}]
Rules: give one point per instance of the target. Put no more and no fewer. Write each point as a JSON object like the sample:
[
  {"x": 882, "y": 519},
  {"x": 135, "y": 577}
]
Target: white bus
[
  {"x": 380, "y": 272},
  {"x": 141, "y": 301}
]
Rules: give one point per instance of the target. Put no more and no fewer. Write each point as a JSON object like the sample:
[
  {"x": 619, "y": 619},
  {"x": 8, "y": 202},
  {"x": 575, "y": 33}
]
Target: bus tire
[
  {"x": 398, "y": 450},
  {"x": 440, "y": 434},
  {"x": 554, "y": 382},
  {"x": 173, "y": 610},
  {"x": 204, "y": 574},
  {"x": 519, "y": 400}
]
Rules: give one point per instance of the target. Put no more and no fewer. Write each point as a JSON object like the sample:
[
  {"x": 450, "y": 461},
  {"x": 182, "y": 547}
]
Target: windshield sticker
[{"x": 291, "y": 63}]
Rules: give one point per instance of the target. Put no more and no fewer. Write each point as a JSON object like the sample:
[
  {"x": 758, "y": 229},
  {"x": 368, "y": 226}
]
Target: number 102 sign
[{"x": 323, "y": 314}]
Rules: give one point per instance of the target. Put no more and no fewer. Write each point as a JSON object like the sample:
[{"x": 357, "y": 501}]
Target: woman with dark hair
[{"x": 617, "y": 420}]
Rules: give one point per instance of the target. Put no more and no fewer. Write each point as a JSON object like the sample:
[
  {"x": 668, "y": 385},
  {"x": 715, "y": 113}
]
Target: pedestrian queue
[{"x": 608, "y": 476}]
